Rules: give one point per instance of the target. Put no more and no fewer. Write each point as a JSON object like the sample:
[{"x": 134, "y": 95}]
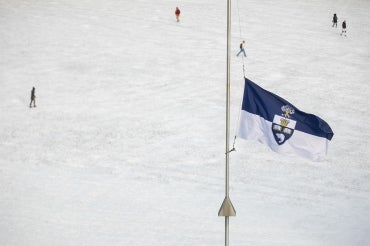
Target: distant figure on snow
[
  {"x": 335, "y": 20},
  {"x": 242, "y": 49},
  {"x": 177, "y": 13},
  {"x": 344, "y": 27},
  {"x": 33, "y": 98}
]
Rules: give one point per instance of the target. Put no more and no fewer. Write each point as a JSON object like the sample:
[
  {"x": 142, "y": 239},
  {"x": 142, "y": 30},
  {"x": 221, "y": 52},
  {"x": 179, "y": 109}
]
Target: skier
[
  {"x": 335, "y": 20},
  {"x": 33, "y": 98},
  {"x": 242, "y": 49},
  {"x": 177, "y": 13},
  {"x": 344, "y": 27}
]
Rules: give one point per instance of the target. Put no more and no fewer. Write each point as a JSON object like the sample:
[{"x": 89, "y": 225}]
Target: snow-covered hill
[{"x": 126, "y": 145}]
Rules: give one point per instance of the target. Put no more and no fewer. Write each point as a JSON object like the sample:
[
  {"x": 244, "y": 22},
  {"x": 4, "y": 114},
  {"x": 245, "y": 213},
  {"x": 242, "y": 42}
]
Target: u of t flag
[{"x": 274, "y": 121}]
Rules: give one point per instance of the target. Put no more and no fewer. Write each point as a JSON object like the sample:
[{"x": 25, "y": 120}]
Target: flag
[{"x": 274, "y": 121}]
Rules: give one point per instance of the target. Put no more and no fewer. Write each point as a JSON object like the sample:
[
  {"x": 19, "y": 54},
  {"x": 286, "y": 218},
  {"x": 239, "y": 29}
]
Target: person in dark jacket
[
  {"x": 177, "y": 14},
  {"x": 344, "y": 28},
  {"x": 335, "y": 20},
  {"x": 241, "y": 46},
  {"x": 33, "y": 98}
]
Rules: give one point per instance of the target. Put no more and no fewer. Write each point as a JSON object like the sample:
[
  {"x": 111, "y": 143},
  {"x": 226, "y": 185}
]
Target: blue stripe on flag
[{"x": 261, "y": 102}]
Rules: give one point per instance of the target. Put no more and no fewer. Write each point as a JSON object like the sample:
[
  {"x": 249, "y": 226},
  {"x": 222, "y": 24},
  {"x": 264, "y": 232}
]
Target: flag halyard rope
[{"x": 244, "y": 71}]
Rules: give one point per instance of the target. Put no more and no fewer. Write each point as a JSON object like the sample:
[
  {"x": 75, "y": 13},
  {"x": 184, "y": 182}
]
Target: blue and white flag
[{"x": 274, "y": 121}]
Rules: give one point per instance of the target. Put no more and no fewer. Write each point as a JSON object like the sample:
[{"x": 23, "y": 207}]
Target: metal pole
[
  {"x": 227, "y": 208},
  {"x": 228, "y": 96},
  {"x": 226, "y": 230},
  {"x": 227, "y": 116}
]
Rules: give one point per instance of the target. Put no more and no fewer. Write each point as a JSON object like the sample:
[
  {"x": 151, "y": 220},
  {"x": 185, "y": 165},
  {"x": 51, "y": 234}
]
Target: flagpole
[{"x": 227, "y": 208}]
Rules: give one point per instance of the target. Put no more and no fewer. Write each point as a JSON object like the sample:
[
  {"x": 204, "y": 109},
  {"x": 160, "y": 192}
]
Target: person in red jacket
[{"x": 177, "y": 13}]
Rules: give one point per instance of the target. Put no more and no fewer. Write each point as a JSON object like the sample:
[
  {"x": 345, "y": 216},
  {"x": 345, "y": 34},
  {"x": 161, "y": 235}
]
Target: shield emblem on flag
[{"x": 282, "y": 129}]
